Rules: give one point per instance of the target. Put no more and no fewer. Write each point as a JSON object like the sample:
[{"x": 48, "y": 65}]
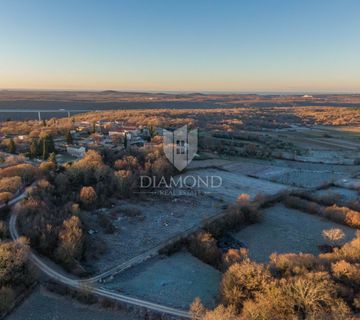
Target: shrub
[
  {"x": 347, "y": 273},
  {"x": 5, "y": 197},
  {"x": 269, "y": 304},
  {"x": 314, "y": 295},
  {"x": 3, "y": 230},
  {"x": 334, "y": 212},
  {"x": 333, "y": 236},
  {"x": 197, "y": 310},
  {"x": 309, "y": 296},
  {"x": 342, "y": 215},
  {"x": 126, "y": 182},
  {"x": 243, "y": 199},
  {"x": 71, "y": 241},
  {"x": 356, "y": 302},
  {"x": 350, "y": 251},
  {"x": 242, "y": 281},
  {"x": 27, "y": 172},
  {"x": 127, "y": 163},
  {"x": 13, "y": 262},
  {"x": 10, "y": 184},
  {"x": 88, "y": 197},
  {"x": 221, "y": 313},
  {"x": 290, "y": 264},
  {"x": 204, "y": 246},
  {"x": 47, "y": 166},
  {"x": 303, "y": 205},
  {"x": 234, "y": 217},
  {"x": 233, "y": 256}
]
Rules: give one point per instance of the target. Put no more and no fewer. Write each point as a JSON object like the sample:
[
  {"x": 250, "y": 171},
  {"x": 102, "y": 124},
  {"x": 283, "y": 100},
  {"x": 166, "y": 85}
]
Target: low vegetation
[
  {"x": 15, "y": 273},
  {"x": 334, "y": 212},
  {"x": 291, "y": 286}
]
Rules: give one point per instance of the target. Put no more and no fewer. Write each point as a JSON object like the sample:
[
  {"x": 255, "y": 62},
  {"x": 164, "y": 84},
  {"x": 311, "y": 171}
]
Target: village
[{"x": 80, "y": 138}]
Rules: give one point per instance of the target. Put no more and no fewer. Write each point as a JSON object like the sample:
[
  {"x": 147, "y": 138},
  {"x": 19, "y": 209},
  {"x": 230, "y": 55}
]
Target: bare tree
[{"x": 333, "y": 236}]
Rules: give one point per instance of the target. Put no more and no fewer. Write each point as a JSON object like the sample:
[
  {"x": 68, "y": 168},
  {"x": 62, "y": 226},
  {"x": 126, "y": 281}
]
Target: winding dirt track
[{"x": 81, "y": 284}]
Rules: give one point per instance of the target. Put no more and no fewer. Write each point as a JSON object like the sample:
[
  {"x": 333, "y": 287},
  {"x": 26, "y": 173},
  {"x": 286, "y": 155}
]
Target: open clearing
[
  {"x": 284, "y": 230},
  {"x": 292, "y": 173},
  {"x": 174, "y": 281},
  {"x": 234, "y": 183},
  {"x": 44, "y": 305},
  {"x": 142, "y": 225}
]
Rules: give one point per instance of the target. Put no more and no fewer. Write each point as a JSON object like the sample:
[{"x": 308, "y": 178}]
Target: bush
[
  {"x": 242, "y": 281},
  {"x": 88, "y": 197},
  {"x": 290, "y": 264},
  {"x": 333, "y": 236},
  {"x": 349, "y": 252},
  {"x": 243, "y": 200},
  {"x": 3, "y": 230},
  {"x": 221, "y": 312},
  {"x": 204, "y": 246},
  {"x": 27, "y": 172},
  {"x": 197, "y": 310},
  {"x": 234, "y": 217},
  {"x": 13, "y": 262},
  {"x": 47, "y": 166},
  {"x": 343, "y": 215},
  {"x": 303, "y": 205},
  {"x": 309, "y": 296},
  {"x": 10, "y": 184},
  {"x": 71, "y": 241},
  {"x": 335, "y": 213},
  {"x": 347, "y": 273},
  {"x": 5, "y": 197},
  {"x": 233, "y": 256}
]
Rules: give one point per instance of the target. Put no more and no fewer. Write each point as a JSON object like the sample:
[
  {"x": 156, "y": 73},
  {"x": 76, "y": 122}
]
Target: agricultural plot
[
  {"x": 144, "y": 224},
  {"x": 43, "y": 305},
  {"x": 284, "y": 230},
  {"x": 174, "y": 281}
]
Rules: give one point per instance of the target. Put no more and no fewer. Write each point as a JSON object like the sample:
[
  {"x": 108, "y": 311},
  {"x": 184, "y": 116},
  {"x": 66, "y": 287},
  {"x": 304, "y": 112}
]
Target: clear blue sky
[{"x": 191, "y": 45}]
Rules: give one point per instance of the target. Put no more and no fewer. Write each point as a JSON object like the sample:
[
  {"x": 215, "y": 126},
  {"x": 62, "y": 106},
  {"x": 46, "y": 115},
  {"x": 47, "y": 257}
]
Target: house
[
  {"x": 116, "y": 133},
  {"x": 136, "y": 141},
  {"x": 75, "y": 151}
]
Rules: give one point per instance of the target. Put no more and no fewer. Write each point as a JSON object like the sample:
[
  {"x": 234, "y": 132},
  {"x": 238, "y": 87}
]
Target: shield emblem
[{"x": 180, "y": 146}]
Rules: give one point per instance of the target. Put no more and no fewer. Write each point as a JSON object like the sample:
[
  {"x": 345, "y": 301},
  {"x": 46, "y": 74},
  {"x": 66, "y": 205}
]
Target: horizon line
[{"x": 228, "y": 92}]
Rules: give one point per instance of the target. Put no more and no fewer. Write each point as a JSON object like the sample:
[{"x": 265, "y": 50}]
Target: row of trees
[
  {"x": 339, "y": 214},
  {"x": 42, "y": 147}
]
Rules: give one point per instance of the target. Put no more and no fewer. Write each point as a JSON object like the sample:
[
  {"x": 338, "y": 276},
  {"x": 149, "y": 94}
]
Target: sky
[{"x": 181, "y": 45}]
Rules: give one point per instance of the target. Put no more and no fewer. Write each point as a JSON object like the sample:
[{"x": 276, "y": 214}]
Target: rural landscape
[
  {"x": 179, "y": 160},
  {"x": 277, "y": 239}
]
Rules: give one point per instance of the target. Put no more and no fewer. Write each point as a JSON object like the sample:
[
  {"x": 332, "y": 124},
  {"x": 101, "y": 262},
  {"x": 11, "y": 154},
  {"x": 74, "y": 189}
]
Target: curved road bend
[{"x": 79, "y": 284}]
